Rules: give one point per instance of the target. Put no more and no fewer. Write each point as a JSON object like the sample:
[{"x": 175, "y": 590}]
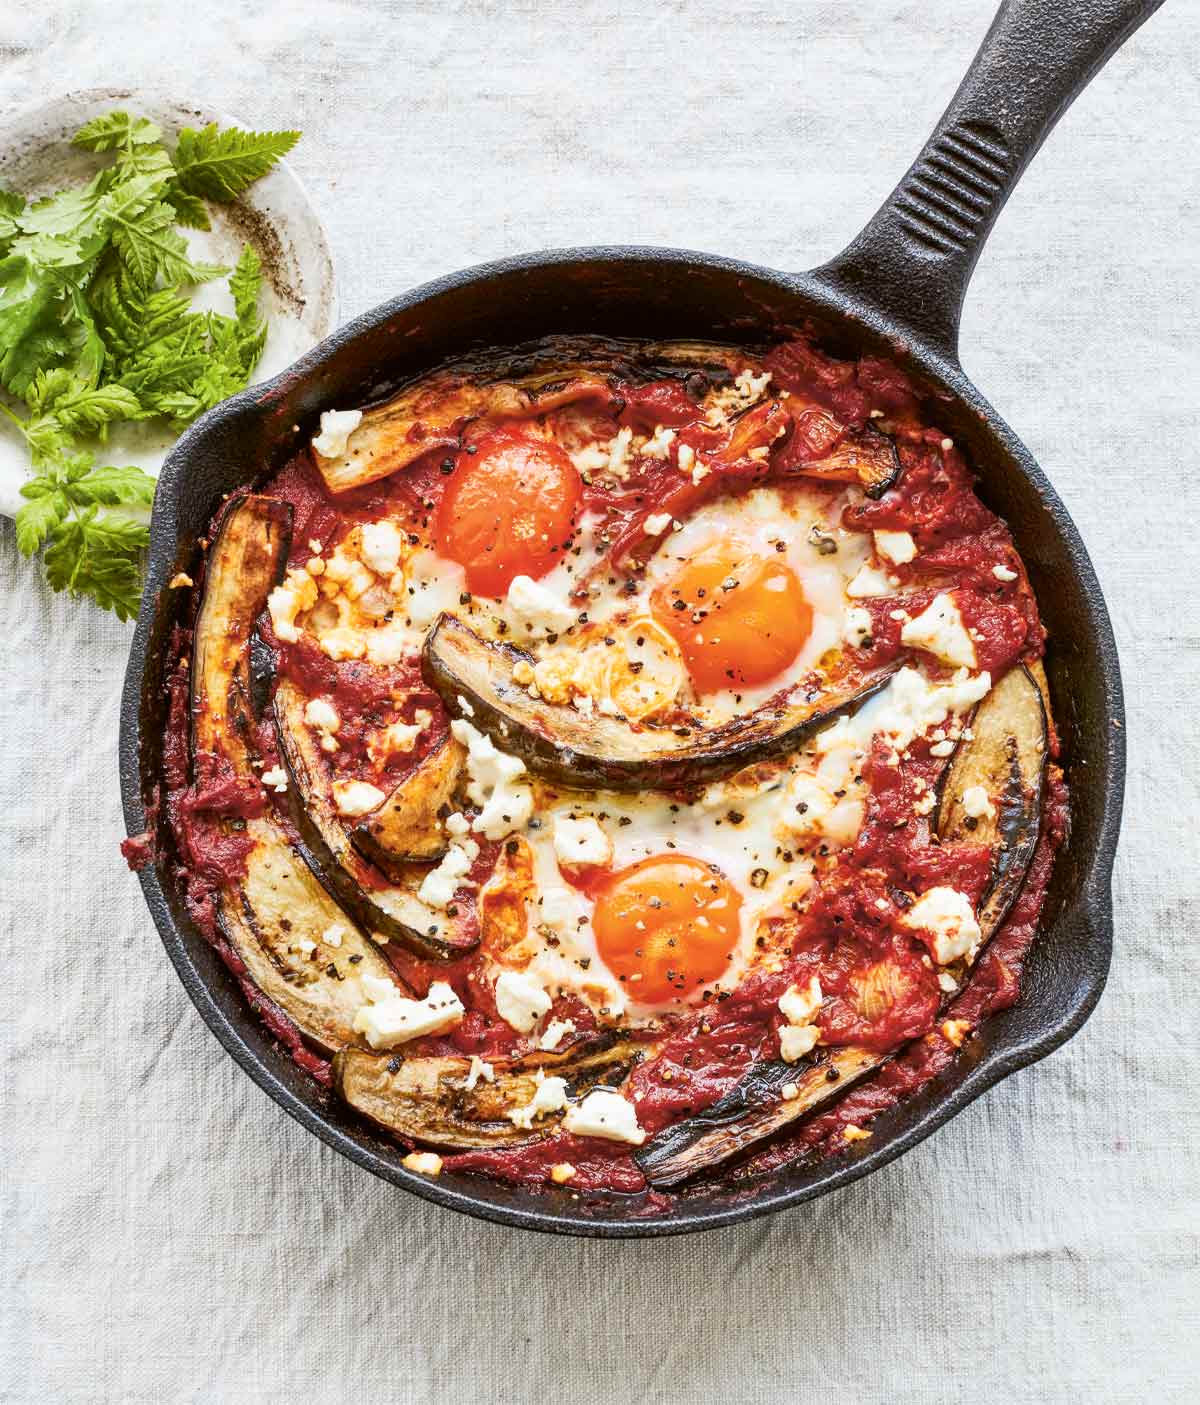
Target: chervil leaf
[
  {"x": 190, "y": 210},
  {"x": 36, "y": 519},
  {"x": 116, "y": 129},
  {"x": 114, "y": 487},
  {"x": 11, "y": 205},
  {"x": 245, "y": 283},
  {"x": 30, "y": 333},
  {"x": 149, "y": 161},
  {"x": 99, "y": 557},
  {"x": 96, "y": 326},
  {"x": 220, "y": 165},
  {"x": 149, "y": 245},
  {"x": 88, "y": 410}
]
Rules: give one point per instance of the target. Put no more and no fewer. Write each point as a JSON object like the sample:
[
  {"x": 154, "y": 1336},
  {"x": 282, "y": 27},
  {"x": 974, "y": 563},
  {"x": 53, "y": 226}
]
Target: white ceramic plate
[{"x": 275, "y": 215}]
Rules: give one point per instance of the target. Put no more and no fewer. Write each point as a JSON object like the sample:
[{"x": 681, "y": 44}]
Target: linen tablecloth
[{"x": 168, "y": 1234}]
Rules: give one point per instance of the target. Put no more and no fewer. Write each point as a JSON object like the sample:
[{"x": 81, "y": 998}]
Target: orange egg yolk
[
  {"x": 507, "y": 510},
  {"x": 739, "y": 620},
  {"x": 666, "y": 926}
]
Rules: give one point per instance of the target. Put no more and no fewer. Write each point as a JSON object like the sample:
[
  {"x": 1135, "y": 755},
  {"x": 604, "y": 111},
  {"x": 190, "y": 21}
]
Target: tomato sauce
[{"x": 879, "y": 985}]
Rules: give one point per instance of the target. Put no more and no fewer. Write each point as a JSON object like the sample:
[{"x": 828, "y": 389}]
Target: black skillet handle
[{"x": 913, "y": 262}]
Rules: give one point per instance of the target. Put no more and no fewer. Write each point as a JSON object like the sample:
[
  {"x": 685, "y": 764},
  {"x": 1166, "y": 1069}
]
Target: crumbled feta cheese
[
  {"x": 657, "y": 523},
  {"x": 1002, "y": 573},
  {"x": 857, "y": 627},
  {"x": 354, "y": 798},
  {"x": 390, "y": 1018},
  {"x": 977, "y": 803},
  {"x": 947, "y": 916},
  {"x": 853, "y": 1133},
  {"x": 799, "y": 1004},
  {"x": 343, "y": 642},
  {"x": 381, "y": 547},
  {"x": 297, "y": 594},
  {"x": 788, "y": 1092},
  {"x": 686, "y": 458},
  {"x": 332, "y": 935},
  {"x": 305, "y": 946},
  {"x": 797, "y": 1040},
  {"x": 940, "y": 631},
  {"x": 659, "y": 443},
  {"x": 947, "y": 982},
  {"x": 504, "y": 803},
  {"x": 897, "y": 547},
  {"x": 425, "y": 1163},
  {"x": 956, "y": 1031},
  {"x": 479, "y": 1068},
  {"x": 336, "y": 428},
  {"x": 618, "y": 453},
  {"x": 561, "y": 1172},
  {"x": 539, "y": 609},
  {"x": 276, "y": 778},
  {"x": 605, "y": 1113},
  {"x": 869, "y": 581},
  {"x": 582, "y": 842},
  {"x": 322, "y": 715},
  {"x": 398, "y": 736},
  {"x": 440, "y": 884},
  {"x": 942, "y": 748},
  {"x": 550, "y": 1095},
  {"x": 520, "y": 1000},
  {"x": 556, "y": 1031}
]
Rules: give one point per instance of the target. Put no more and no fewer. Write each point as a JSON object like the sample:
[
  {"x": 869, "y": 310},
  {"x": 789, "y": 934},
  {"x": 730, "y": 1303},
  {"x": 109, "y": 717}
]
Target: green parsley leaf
[{"x": 220, "y": 165}]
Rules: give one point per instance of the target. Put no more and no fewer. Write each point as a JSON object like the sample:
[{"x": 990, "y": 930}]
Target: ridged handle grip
[{"x": 913, "y": 262}]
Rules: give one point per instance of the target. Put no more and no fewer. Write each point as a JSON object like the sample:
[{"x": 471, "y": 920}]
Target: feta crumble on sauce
[{"x": 672, "y": 546}]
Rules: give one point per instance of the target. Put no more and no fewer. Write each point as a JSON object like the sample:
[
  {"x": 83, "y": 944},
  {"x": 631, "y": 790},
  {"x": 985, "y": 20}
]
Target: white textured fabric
[{"x": 168, "y": 1234}]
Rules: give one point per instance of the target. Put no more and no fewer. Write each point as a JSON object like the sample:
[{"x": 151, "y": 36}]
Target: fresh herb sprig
[{"x": 97, "y": 327}]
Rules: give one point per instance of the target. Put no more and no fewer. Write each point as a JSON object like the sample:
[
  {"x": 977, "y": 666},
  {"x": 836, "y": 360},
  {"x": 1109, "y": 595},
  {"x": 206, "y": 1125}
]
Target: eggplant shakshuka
[{"x": 608, "y": 764}]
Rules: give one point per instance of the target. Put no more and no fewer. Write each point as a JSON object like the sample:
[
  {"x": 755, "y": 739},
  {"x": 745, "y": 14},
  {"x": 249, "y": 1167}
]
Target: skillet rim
[{"x": 1091, "y": 910}]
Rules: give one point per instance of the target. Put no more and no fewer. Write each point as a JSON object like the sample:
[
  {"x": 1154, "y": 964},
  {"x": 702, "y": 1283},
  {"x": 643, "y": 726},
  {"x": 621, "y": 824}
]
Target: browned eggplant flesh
[
  {"x": 445, "y": 1102},
  {"x": 296, "y": 943},
  {"x": 475, "y": 678}
]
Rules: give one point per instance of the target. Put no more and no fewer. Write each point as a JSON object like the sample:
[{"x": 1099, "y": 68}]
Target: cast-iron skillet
[{"x": 897, "y": 289}]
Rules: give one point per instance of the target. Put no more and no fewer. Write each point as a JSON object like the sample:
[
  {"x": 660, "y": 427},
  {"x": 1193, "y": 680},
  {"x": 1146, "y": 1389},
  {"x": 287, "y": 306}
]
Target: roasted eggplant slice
[
  {"x": 864, "y": 456},
  {"x": 395, "y": 913},
  {"x": 431, "y": 415},
  {"x": 1006, "y": 761},
  {"x": 297, "y": 945},
  {"x": 753, "y": 1111},
  {"x": 475, "y": 679},
  {"x": 1007, "y": 757},
  {"x": 408, "y": 827},
  {"x": 429, "y": 1100}
]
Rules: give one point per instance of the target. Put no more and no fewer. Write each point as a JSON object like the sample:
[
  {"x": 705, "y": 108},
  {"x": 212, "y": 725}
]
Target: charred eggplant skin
[
  {"x": 428, "y": 1100},
  {"x": 278, "y": 905},
  {"x": 606, "y": 753},
  {"x": 1007, "y": 755},
  {"x": 751, "y": 1112}
]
